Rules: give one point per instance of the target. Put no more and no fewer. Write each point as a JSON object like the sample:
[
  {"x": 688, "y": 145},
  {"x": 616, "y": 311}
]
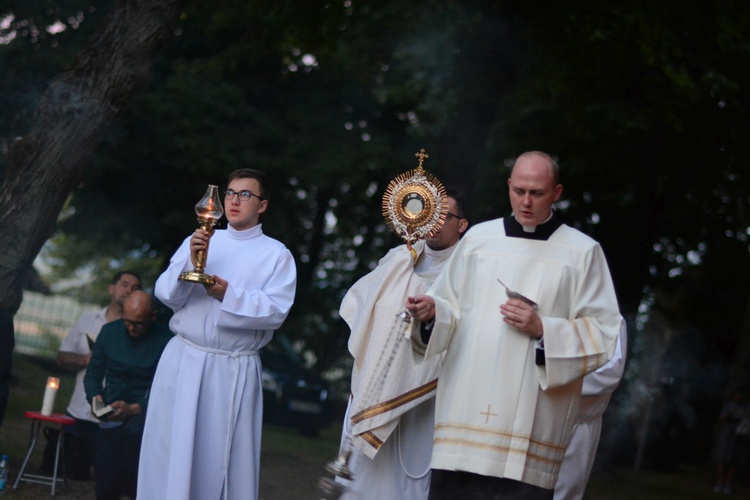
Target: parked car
[{"x": 292, "y": 394}]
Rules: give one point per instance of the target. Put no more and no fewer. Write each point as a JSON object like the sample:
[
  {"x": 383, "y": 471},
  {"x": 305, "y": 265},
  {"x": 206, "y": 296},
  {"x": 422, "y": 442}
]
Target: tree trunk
[{"x": 73, "y": 113}]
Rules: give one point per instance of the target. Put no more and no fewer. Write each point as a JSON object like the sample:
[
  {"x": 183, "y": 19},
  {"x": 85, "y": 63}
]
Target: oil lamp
[{"x": 209, "y": 210}]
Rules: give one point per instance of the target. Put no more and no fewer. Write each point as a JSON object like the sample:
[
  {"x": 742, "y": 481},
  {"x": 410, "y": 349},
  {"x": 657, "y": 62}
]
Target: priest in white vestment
[
  {"x": 203, "y": 429},
  {"x": 514, "y": 359},
  {"x": 595, "y": 395},
  {"x": 392, "y": 443}
]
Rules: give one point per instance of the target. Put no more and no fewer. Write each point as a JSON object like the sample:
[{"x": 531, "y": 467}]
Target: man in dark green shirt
[{"x": 119, "y": 374}]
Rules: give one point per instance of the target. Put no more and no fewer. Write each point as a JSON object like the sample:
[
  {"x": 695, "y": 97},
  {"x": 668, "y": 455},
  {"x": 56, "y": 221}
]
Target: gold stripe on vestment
[
  {"x": 509, "y": 435},
  {"x": 586, "y": 348},
  {"x": 534, "y": 449},
  {"x": 371, "y": 439},
  {"x": 600, "y": 348},
  {"x": 394, "y": 403},
  {"x": 581, "y": 344},
  {"x": 554, "y": 459}
]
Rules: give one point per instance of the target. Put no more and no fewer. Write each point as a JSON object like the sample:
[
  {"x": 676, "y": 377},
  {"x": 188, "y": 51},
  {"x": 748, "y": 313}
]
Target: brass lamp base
[{"x": 197, "y": 277}]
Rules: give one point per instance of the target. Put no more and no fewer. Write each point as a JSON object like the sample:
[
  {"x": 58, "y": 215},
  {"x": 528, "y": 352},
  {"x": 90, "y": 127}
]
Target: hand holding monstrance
[{"x": 209, "y": 210}]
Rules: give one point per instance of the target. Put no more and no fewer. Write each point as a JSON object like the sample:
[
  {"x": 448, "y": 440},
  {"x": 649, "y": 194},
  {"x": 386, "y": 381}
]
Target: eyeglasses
[
  {"x": 244, "y": 195},
  {"x": 450, "y": 215},
  {"x": 137, "y": 325}
]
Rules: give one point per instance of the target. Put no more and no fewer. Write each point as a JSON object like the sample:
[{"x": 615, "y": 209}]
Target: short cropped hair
[
  {"x": 249, "y": 173},
  {"x": 116, "y": 278},
  {"x": 459, "y": 197}
]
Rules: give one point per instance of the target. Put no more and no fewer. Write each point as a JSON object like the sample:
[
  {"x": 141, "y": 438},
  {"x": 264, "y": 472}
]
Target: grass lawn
[
  {"x": 686, "y": 484},
  {"x": 291, "y": 463}
]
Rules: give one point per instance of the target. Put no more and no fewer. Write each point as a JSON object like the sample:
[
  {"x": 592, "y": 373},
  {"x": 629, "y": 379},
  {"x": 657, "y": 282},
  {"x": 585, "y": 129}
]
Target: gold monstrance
[
  {"x": 415, "y": 204},
  {"x": 209, "y": 211}
]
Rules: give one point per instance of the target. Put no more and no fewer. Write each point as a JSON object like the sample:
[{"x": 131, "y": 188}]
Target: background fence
[{"x": 43, "y": 321}]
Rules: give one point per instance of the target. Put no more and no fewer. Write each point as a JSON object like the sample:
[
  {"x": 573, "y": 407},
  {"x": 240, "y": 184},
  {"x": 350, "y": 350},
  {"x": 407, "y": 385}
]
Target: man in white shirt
[{"x": 74, "y": 355}]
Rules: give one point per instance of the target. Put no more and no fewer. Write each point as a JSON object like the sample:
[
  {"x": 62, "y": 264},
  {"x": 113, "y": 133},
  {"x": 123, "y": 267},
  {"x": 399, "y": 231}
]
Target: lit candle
[{"x": 53, "y": 383}]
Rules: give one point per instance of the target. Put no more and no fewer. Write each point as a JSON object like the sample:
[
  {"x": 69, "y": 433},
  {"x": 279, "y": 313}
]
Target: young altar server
[{"x": 203, "y": 429}]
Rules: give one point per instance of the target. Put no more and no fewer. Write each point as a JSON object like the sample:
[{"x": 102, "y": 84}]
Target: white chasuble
[
  {"x": 390, "y": 416},
  {"x": 385, "y": 381}
]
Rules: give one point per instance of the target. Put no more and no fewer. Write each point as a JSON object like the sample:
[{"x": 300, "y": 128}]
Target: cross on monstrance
[{"x": 421, "y": 155}]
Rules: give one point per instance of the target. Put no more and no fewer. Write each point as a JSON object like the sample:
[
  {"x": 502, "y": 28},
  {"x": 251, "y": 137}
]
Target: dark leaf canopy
[{"x": 645, "y": 105}]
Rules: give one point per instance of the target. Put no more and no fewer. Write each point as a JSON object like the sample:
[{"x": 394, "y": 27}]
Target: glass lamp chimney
[{"x": 209, "y": 207}]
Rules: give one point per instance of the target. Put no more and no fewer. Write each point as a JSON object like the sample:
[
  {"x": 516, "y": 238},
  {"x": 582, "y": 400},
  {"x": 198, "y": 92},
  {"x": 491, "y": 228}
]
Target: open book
[{"x": 100, "y": 409}]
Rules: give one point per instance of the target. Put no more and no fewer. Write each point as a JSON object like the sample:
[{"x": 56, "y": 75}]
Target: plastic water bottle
[{"x": 3, "y": 474}]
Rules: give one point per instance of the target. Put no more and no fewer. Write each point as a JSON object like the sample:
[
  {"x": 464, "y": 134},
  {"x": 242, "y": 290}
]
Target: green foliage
[
  {"x": 644, "y": 104},
  {"x": 83, "y": 269},
  {"x": 41, "y": 39}
]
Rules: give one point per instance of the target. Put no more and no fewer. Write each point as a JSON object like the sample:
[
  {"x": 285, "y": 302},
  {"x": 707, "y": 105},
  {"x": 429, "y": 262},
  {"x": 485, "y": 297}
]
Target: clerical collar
[
  {"x": 436, "y": 254},
  {"x": 429, "y": 256},
  {"x": 541, "y": 232},
  {"x": 246, "y": 234}
]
